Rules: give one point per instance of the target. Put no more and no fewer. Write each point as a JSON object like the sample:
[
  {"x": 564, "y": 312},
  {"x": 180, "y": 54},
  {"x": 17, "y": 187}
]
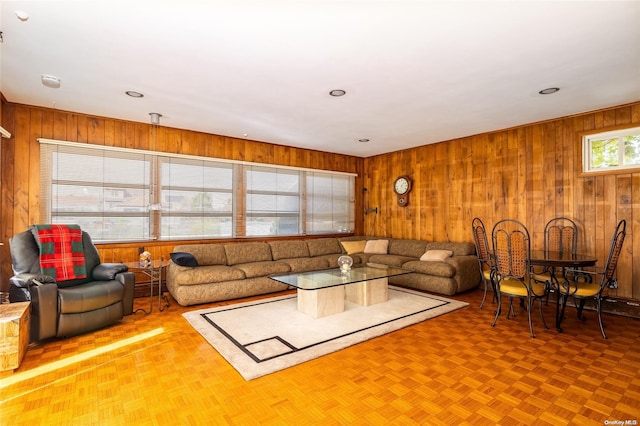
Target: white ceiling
[{"x": 415, "y": 72}]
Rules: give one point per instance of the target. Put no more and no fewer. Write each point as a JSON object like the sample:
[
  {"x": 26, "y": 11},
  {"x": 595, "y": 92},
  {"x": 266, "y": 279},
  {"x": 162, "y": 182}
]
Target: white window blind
[
  {"x": 196, "y": 198},
  {"x": 272, "y": 201},
  {"x": 105, "y": 192},
  {"x": 330, "y": 203},
  {"x": 119, "y": 194}
]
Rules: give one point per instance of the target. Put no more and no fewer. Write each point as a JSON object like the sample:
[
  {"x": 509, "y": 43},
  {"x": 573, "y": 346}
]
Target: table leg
[
  {"x": 160, "y": 295},
  {"x": 368, "y": 293},
  {"x": 151, "y": 282},
  {"x": 151, "y": 275},
  {"x": 322, "y": 302}
]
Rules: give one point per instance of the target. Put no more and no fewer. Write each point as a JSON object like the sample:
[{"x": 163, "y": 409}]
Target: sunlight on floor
[{"x": 25, "y": 375}]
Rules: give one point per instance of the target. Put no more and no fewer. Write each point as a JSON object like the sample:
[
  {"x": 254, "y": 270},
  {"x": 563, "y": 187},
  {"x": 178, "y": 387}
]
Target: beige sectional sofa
[{"x": 234, "y": 270}]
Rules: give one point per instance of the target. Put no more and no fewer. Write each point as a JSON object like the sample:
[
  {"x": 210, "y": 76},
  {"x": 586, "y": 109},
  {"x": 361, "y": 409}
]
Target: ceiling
[{"x": 414, "y": 72}]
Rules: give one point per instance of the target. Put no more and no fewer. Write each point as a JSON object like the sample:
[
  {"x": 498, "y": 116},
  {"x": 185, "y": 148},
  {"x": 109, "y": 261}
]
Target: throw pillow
[
  {"x": 353, "y": 246},
  {"x": 184, "y": 259},
  {"x": 436, "y": 255},
  {"x": 376, "y": 246}
]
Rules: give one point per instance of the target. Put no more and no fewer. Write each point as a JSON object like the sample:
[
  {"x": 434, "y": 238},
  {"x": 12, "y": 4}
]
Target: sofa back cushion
[
  {"x": 205, "y": 254},
  {"x": 324, "y": 246},
  {"x": 288, "y": 249},
  {"x": 403, "y": 247},
  {"x": 247, "y": 252},
  {"x": 351, "y": 247},
  {"x": 458, "y": 249}
]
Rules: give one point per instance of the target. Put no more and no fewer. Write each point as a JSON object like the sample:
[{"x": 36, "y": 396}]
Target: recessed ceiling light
[
  {"x": 549, "y": 90},
  {"x": 363, "y": 140},
  {"x": 134, "y": 94},
  {"x": 337, "y": 92}
]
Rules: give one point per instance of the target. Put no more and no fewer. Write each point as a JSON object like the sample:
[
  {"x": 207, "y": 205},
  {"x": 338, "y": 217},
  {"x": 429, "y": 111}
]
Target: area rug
[{"x": 268, "y": 335}]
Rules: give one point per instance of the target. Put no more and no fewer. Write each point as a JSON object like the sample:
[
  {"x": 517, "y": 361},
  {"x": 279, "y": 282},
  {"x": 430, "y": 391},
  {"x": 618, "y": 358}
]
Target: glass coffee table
[{"x": 322, "y": 293}]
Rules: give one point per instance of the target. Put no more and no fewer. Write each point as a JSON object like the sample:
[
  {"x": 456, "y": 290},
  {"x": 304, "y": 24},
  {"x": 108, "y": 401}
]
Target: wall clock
[{"x": 401, "y": 187}]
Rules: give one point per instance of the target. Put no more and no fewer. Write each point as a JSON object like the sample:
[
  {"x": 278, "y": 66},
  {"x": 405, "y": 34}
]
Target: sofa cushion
[
  {"x": 184, "y": 259},
  {"x": 376, "y": 246},
  {"x": 288, "y": 249},
  {"x": 351, "y": 247},
  {"x": 323, "y": 246},
  {"x": 390, "y": 259},
  {"x": 247, "y": 252},
  {"x": 205, "y": 254},
  {"x": 436, "y": 255},
  {"x": 205, "y": 274},
  {"x": 438, "y": 269},
  {"x": 458, "y": 249},
  {"x": 89, "y": 296},
  {"x": 411, "y": 248},
  {"x": 305, "y": 264},
  {"x": 262, "y": 269}
]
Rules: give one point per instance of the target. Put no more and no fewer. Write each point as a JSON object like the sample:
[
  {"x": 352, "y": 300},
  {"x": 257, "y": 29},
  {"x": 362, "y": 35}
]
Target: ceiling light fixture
[
  {"x": 337, "y": 92},
  {"x": 549, "y": 90},
  {"x": 363, "y": 140},
  {"x": 23, "y": 16},
  {"x": 134, "y": 94},
  {"x": 50, "y": 81},
  {"x": 155, "y": 118}
]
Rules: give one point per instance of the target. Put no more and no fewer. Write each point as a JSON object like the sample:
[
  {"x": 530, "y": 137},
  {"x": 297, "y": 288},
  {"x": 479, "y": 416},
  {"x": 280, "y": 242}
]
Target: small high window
[{"x": 612, "y": 150}]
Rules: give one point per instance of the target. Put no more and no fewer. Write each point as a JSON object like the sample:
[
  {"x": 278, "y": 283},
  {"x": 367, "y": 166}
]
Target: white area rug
[{"x": 264, "y": 336}]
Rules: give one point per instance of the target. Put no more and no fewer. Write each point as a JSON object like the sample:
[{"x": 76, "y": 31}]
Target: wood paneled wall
[
  {"x": 531, "y": 173},
  {"x": 20, "y": 172}
]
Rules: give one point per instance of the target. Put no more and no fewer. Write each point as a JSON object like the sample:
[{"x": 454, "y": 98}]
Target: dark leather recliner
[{"x": 68, "y": 308}]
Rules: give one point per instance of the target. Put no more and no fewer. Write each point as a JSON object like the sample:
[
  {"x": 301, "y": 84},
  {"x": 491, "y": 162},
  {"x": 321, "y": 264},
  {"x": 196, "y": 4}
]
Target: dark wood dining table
[{"x": 556, "y": 261}]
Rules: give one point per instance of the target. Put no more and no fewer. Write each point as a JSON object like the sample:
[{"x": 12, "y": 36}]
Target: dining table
[{"x": 560, "y": 261}]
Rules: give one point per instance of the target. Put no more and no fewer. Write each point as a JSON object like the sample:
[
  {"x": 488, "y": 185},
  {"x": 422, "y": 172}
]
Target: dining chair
[
  {"x": 487, "y": 265},
  {"x": 581, "y": 290},
  {"x": 512, "y": 251},
  {"x": 560, "y": 235}
]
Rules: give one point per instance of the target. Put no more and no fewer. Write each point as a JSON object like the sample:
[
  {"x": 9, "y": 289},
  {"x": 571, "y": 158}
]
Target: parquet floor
[{"x": 454, "y": 369}]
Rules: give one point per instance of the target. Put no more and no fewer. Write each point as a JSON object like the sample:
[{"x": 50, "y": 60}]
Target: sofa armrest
[
  {"x": 467, "y": 272},
  {"x": 44, "y": 311},
  {"x": 108, "y": 271},
  {"x": 26, "y": 280},
  {"x": 128, "y": 280}
]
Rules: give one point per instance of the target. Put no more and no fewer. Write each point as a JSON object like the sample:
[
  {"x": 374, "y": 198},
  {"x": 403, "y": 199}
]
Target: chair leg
[
  {"x": 580, "y": 308},
  {"x": 511, "y": 312},
  {"x": 529, "y": 308},
  {"x": 599, "y": 308},
  {"x": 495, "y": 320},
  {"x": 540, "y": 309},
  {"x": 484, "y": 297},
  {"x": 560, "y": 315}
]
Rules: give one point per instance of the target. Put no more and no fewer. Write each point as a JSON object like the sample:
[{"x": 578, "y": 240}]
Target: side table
[
  {"x": 155, "y": 274},
  {"x": 14, "y": 333}
]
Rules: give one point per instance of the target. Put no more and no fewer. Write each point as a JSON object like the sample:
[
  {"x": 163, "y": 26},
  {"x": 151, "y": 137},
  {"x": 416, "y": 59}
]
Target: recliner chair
[{"x": 71, "y": 307}]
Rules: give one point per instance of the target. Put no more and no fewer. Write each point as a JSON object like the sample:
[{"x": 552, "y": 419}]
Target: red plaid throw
[{"x": 61, "y": 251}]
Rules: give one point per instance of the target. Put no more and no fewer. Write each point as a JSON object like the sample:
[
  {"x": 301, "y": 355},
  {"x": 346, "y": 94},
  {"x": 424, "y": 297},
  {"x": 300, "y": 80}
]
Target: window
[
  {"x": 196, "y": 199},
  {"x": 613, "y": 150},
  {"x": 118, "y": 194},
  {"x": 105, "y": 192},
  {"x": 273, "y": 201},
  {"x": 330, "y": 203}
]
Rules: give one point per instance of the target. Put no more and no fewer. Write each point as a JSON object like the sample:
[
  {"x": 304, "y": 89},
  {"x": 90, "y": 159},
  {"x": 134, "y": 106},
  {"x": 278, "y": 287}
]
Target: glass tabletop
[{"x": 316, "y": 280}]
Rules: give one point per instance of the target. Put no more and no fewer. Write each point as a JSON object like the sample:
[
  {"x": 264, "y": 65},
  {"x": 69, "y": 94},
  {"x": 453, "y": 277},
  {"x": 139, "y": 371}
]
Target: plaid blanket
[{"x": 61, "y": 251}]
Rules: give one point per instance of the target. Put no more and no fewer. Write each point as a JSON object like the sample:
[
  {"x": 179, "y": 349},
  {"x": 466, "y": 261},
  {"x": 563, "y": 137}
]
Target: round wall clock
[{"x": 401, "y": 187}]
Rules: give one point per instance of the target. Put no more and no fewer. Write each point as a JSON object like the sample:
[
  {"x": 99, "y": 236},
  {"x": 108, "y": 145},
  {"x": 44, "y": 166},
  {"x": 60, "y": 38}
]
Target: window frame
[{"x": 619, "y": 132}]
